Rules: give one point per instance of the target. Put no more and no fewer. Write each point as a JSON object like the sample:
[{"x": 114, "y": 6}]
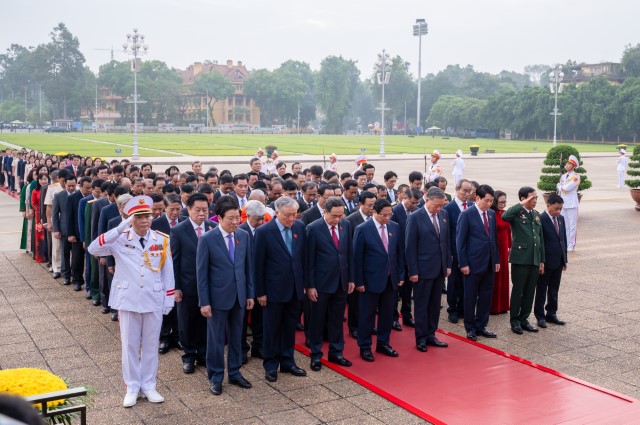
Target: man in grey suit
[
  {"x": 60, "y": 228},
  {"x": 224, "y": 271}
]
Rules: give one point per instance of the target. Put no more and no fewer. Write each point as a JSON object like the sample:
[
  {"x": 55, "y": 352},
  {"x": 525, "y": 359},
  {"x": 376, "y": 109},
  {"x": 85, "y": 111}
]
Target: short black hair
[
  {"x": 239, "y": 177},
  {"x": 484, "y": 190},
  {"x": 191, "y": 178},
  {"x": 83, "y": 180},
  {"x": 111, "y": 188},
  {"x": 554, "y": 199},
  {"x": 415, "y": 175},
  {"x": 119, "y": 190},
  {"x": 146, "y": 164},
  {"x": 345, "y": 175},
  {"x": 332, "y": 203},
  {"x": 359, "y": 173},
  {"x": 172, "y": 198},
  {"x": 188, "y": 188},
  {"x": 324, "y": 187},
  {"x": 157, "y": 198},
  {"x": 226, "y": 203},
  {"x": 302, "y": 206},
  {"x": 380, "y": 204},
  {"x": 524, "y": 192},
  {"x": 197, "y": 197},
  {"x": 389, "y": 175},
  {"x": 366, "y": 195},
  {"x": 225, "y": 178},
  {"x": 413, "y": 193},
  {"x": 316, "y": 170},
  {"x": 118, "y": 169},
  {"x": 349, "y": 184},
  {"x": 290, "y": 185},
  {"x": 367, "y": 167},
  {"x": 205, "y": 188},
  {"x": 369, "y": 186}
]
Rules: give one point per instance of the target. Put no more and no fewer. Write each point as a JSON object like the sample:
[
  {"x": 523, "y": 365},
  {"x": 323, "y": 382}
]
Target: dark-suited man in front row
[
  {"x": 428, "y": 256},
  {"x": 225, "y": 288},
  {"x": 278, "y": 269},
  {"x": 378, "y": 249},
  {"x": 184, "y": 246},
  {"x": 554, "y": 234},
  {"x": 73, "y": 232},
  {"x": 329, "y": 272},
  {"x": 478, "y": 258}
]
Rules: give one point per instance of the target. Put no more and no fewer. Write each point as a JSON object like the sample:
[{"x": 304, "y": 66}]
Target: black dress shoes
[
  {"x": 487, "y": 333},
  {"x": 353, "y": 333},
  {"x": 396, "y": 326},
  {"x": 316, "y": 365},
  {"x": 339, "y": 360},
  {"x": 366, "y": 355},
  {"x": 472, "y": 336},
  {"x": 257, "y": 353},
  {"x": 409, "y": 322},
  {"x": 436, "y": 342},
  {"x": 422, "y": 346},
  {"x": 555, "y": 320},
  {"x": 87, "y": 297},
  {"x": 96, "y": 302},
  {"x": 77, "y": 287},
  {"x": 453, "y": 318},
  {"x": 529, "y": 328},
  {"x": 516, "y": 329},
  {"x": 188, "y": 367},
  {"x": 240, "y": 381},
  {"x": 105, "y": 310},
  {"x": 294, "y": 370},
  {"x": 114, "y": 315},
  {"x": 271, "y": 376},
  {"x": 57, "y": 275},
  {"x": 163, "y": 348},
  {"x": 542, "y": 323},
  {"x": 386, "y": 350},
  {"x": 66, "y": 282},
  {"x": 216, "y": 388}
]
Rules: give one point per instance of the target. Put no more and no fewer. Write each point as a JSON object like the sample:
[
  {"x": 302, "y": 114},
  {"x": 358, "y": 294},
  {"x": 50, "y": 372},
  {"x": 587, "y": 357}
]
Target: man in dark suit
[
  {"x": 60, "y": 228},
  {"x": 554, "y": 234},
  {"x": 255, "y": 211},
  {"x": 73, "y": 232},
  {"x": 329, "y": 278},
  {"x": 225, "y": 289},
  {"x": 390, "y": 180},
  {"x": 428, "y": 256},
  {"x": 362, "y": 214},
  {"x": 114, "y": 223},
  {"x": 325, "y": 191},
  {"x": 279, "y": 278},
  {"x": 97, "y": 230},
  {"x": 184, "y": 244},
  {"x": 526, "y": 257},
  {"x": 169, "y": 333},
  {"x": 75, "y": 169},
  {"x": 477, "y": 244},
  {"x": 455, "y": 281},
  {"x": 400, "y": 213},
  {"x": 378, "y": 249},
  {"x": 350, "y": 197}
]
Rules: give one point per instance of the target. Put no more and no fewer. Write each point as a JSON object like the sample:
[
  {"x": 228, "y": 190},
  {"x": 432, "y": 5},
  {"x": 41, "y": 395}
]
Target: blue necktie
[
  {"x": 287, "y": 239},
  {"x": 232, "y": 249}
]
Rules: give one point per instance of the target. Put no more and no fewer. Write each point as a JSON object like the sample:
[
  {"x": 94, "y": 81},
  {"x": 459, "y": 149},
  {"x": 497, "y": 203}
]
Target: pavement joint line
[{"x": 123, "y": 145}]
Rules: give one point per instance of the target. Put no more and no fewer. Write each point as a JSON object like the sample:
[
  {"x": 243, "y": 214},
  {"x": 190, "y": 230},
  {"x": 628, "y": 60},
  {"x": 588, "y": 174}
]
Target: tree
[
  {"x": 336, "y": 83},
  {"x": 631, "y": 60},
  {"x": 536, "y": 72},
  {"x": 214, "y": 86},
  {"x": 554, "y": 168}
]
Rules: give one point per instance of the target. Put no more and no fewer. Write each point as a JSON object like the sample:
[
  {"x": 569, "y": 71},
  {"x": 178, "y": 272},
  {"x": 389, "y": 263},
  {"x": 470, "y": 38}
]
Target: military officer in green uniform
[{"x": 526, "y": 258}]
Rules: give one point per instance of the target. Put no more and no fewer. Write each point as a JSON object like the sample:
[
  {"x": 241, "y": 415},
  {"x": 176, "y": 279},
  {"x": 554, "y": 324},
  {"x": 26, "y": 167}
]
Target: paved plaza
[{"x": 47, "y": 325}]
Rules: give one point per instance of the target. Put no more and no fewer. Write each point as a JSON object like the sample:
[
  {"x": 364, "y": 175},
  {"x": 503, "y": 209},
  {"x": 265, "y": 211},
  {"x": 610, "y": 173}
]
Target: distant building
[
  {"x": 583, "y": 73},
  {"x": 236, "y": 109},
  {"x": 106, "y": 112}
]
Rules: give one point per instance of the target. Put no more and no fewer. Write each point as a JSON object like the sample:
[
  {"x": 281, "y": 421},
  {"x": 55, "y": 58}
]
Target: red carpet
[{"x": 471, "y": 383}]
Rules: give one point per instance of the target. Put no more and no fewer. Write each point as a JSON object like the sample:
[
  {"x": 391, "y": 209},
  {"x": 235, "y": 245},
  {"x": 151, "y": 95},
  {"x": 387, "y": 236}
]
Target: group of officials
[{"x": 194, "y": 259}]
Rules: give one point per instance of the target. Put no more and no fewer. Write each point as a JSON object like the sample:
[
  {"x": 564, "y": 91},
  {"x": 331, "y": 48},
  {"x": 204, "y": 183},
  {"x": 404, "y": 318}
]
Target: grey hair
[
  {"x": 123, "y": 199},
  {"x": 435, "y": 193},
  {"x": 285, "y": 202},
  {"x": 255, "y": 208}
]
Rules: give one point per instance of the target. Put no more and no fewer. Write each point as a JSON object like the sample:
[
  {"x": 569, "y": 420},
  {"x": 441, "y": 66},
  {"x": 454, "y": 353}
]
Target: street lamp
[
  {"x": 383, "y": 78},
  {"x": 555, "y": 78},
  {"x": 419, "y": 29},
  {"x": 135, "y": 46}
]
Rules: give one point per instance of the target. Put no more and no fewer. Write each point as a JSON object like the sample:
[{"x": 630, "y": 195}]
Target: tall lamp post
[
  {"x": 555, "y": 78},
  {"x": 383, "y": 76},
  {"x": 419, "y": 29},
  {"x": 135, "y": 46}
]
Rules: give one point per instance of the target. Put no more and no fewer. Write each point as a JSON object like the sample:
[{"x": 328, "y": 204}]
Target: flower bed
[{"x": 29, "y": 381}]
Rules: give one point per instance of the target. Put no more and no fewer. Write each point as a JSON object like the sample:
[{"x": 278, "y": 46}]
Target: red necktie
[
  {"x": 555, "y": 223},
  {"x": 199, "y": 231},
  {"x": 334, "y": 235},
  {"x": 486, "y": 223},
  {"x": 173, "y": 223},
  {"x": 385, "y": 241},
  {"x": 464, "y": 206}
]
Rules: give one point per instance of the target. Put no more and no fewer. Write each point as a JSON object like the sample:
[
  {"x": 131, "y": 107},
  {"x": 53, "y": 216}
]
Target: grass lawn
[{"x": 244, "y": 145}]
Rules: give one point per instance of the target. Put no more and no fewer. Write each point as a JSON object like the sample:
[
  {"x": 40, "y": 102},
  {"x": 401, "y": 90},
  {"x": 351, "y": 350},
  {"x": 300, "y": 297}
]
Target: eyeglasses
[{"x": 389, "y": 215}]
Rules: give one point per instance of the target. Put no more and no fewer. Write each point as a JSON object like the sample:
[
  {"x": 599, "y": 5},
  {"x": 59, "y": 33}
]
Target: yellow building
[{"x": 236, "y": 109}]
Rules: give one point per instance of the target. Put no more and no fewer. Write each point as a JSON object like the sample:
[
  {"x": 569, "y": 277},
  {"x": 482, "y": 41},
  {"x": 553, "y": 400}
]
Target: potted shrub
[
  {"x": 270, "y": 149},
  {"x": 554, "y": 169},
  {"x": 474, "y": 149},
  {"x": 634, "y": 171}
]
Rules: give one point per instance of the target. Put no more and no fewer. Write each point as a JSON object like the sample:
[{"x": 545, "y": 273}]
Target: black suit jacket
[
  {"x": 327, "y": 266},
  {"x": 400, "y": 217},
  {"x": 73, "y": 227},
  {"x": 395, "y": 195},
  {"x": 453, "y": 211},
  {"x": 428, "y": 254},
  {"x": 184, "y": 246},
  {"x": 310, "y": 215},
  {"x": 162, "y": 224},
  {"x": 59, "y": 215},
  {"x": 555, "y": 246},
  {"x": 78, "y": 173},
  {"x": 112, "y": 224},
  {"x": 245, "y": 226},
  {"x": 355, "y": 218},
  {"x": 95, "y": 215},
  {"x": 107, "y": 213}
]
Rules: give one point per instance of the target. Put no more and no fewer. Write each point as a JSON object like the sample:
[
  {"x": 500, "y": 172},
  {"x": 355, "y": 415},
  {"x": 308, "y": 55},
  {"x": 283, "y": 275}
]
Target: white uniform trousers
[
  {"x": 571, "y": 220},
  {"x": 56, "y": 254},
  {"x": 621, "y": 174},
  {"x": 140, "y": 337},
  {"x": 456, "y": 178}
]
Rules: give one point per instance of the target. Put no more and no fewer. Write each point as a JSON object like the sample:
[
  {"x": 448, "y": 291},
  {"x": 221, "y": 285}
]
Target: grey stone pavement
[{"x": 47, "y": 325}]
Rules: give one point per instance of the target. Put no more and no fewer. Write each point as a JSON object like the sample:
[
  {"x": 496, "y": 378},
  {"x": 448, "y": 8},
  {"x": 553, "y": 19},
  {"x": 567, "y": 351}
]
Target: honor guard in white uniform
[
  {"x": 272, "y": 164},
  {"x": 568, "y": 189},
  {"x": 622, "y": 167},
  {"x": 434, "y": 170},
  {"x": 142, "y": 291},
  {"x": 263, "y": 160},
  {"x": 359, "y": 161},
  {"x": 458, "y": 167},
  {"x": 333, "y": 163}
]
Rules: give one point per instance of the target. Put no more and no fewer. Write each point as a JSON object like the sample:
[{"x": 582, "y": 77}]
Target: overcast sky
[{"x": 491, "y": 35}]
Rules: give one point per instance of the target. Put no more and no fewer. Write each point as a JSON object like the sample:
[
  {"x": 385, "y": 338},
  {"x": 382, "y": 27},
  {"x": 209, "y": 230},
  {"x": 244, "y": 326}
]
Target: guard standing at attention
[{"x": 568, "y": 189}]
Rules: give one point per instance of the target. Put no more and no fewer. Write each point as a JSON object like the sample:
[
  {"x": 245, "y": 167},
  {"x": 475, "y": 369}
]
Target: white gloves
[
  {"x": 124, "y": 224},
  {"x": 166, "y": 310}
]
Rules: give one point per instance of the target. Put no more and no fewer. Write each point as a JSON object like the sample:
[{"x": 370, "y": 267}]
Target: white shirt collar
[{"x": 195, "y": 226}]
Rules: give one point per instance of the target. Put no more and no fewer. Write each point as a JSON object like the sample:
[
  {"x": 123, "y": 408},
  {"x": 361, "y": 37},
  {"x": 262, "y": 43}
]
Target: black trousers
[
  {"x": 327, "y": 311},
  {"x": 65, "y": 265},
  {"x": 279, "y": 323},
  {"x": 426, "y": 298},
  {"x": 384, "y": 302},
  {"x": 77, "y": 262},
  {"x": 404, "y": 294},
  {"x": 477, "y": 299},
  {"x": 256, "y": 329},
  {"x": 169, "y": 331},
  {"x": 353, "y": 301},
  {"x": 192, "y": 330},
  {"x": 547, "y": 291},
  {"x": 455, "y": 290},
  {"x": 104, "y": 279}
]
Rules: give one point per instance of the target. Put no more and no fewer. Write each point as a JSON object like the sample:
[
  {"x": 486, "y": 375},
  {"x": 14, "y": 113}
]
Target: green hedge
[
  {"x": 634, "y": 169},
  {"x": 554, "y": 169}
]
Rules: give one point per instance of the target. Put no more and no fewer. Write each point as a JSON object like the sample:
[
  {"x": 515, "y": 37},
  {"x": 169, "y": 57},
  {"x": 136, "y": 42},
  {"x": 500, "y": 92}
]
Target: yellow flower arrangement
[{"x": 30, "y": 381}]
